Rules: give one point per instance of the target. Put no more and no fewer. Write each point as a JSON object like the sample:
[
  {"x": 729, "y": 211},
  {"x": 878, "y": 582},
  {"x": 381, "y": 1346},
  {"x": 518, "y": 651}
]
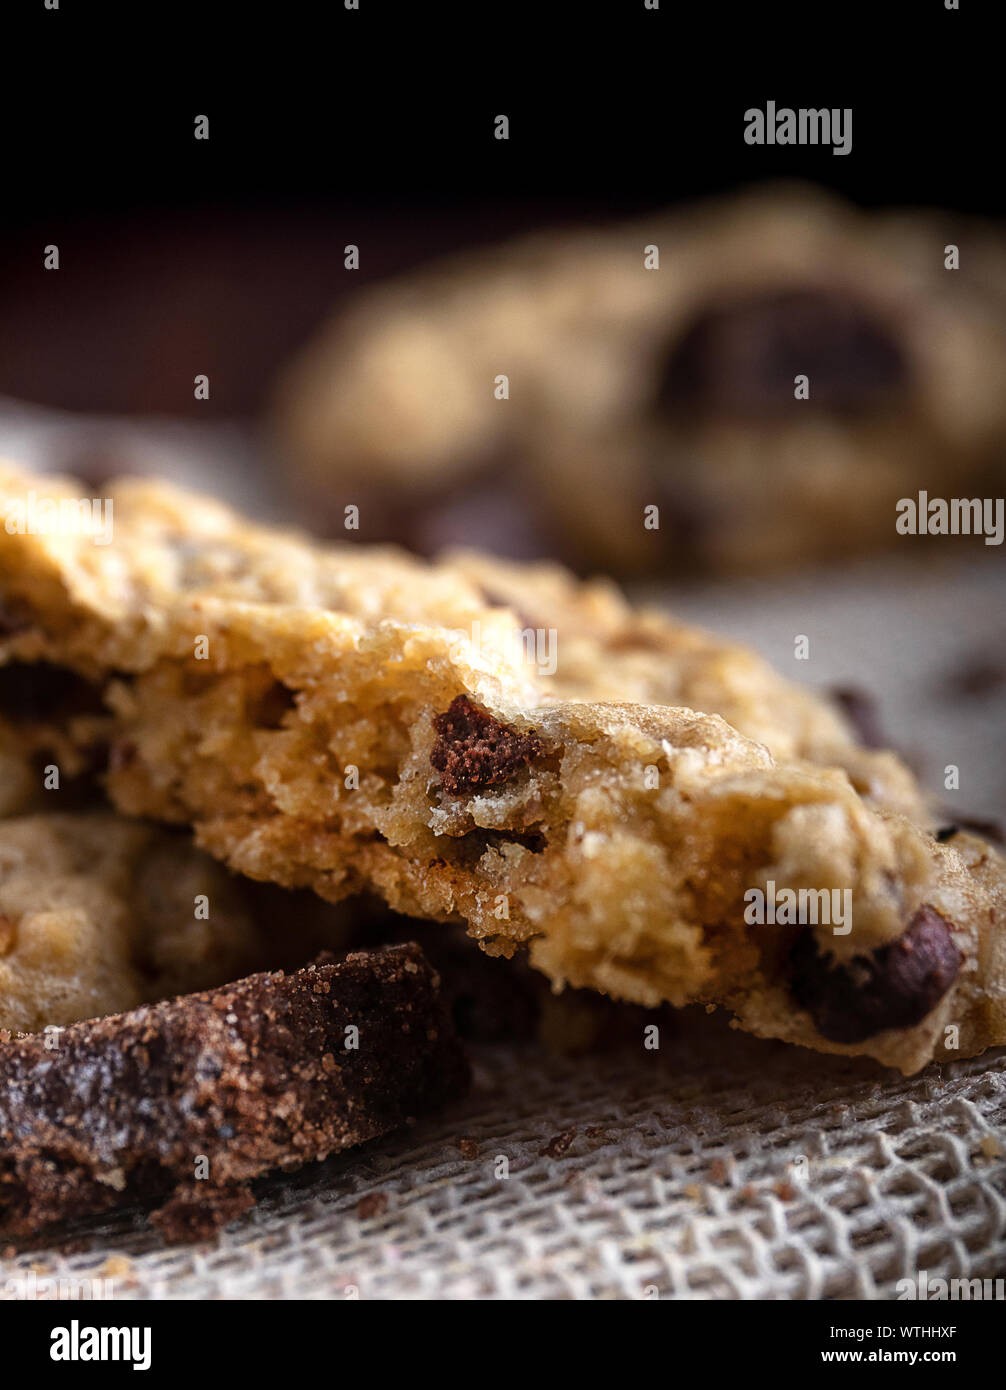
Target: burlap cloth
[{"x": 718, "y": 1167}]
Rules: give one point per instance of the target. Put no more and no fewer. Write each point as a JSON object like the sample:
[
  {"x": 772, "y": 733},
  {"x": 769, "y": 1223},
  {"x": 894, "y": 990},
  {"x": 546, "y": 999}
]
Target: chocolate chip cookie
[
  {"x": 738, "y": 385},
  {"x": 99, "y": 914},
  {"x": 610, "y": 790}
]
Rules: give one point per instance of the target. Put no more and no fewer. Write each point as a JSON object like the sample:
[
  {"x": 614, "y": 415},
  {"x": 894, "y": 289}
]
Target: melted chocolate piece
[
  {"x": 473, "y": 750},
  {"x": 895, "y": 986},
  {"x": 742, "y": 356}
]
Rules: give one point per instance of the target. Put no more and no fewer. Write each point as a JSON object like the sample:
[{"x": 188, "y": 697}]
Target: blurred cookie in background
[{"x": 771, "y": 372}]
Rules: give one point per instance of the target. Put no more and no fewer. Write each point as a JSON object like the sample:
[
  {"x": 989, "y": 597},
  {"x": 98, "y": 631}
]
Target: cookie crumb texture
[
  {"x": 252, "y": 1078},
  {"x": 604, "y": 796}
]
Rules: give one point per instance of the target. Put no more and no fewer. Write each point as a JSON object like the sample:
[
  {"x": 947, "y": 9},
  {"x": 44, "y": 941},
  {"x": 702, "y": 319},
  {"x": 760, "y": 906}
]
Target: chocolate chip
[
  {"x": 474, "y": 750},
  {"x": 895, "y": 986},
  {"x": 860, "y": 709},
  {"x": 742, "y": 356},
  {"x": 985, "y": 829}
]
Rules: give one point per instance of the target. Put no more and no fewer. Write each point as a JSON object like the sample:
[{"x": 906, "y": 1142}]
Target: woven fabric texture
[{"x": 718, "y": 1167}]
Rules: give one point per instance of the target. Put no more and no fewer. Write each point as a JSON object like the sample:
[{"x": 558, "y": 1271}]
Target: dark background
[{"x": 375, "y": 126}]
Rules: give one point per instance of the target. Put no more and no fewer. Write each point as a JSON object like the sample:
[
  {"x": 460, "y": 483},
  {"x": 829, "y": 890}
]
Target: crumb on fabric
[{"x": 559, "y": 1144}]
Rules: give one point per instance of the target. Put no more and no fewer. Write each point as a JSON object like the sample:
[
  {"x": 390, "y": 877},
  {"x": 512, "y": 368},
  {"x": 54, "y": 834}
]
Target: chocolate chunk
[
  {"x": 895, "y": 986},
  {"x": 860, "y": 709},
  {"x": 473, "y": 750},
  {"x": 985, "y": 829},
  {"x": 742, "y": 356},
  {"x": 253, "y": 1076}
]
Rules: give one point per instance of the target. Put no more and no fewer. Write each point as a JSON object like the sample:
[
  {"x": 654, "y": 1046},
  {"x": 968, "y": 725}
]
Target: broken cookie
[
  {"x": 181, "y": 1104},
  {"x": 345, "y": 719}
]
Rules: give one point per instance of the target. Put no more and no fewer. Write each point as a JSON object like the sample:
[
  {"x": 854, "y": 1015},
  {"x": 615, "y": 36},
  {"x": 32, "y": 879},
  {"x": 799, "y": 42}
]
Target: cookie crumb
[
  {"x": 559, "y": 1144},
  {"x": 373, "y": 1204}
]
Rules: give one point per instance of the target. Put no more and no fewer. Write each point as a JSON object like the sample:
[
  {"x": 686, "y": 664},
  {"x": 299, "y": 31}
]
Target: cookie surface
[
  {"x": 500, "y": 745},
  {"x": 183, "y": 1103},
  {"x": 99, "y": 914},
  {"x": 634, "y": 384}
]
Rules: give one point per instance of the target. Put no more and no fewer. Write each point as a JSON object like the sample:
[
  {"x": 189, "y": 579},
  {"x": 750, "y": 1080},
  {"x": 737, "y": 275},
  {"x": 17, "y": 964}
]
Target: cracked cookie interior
[{"x": 343, "y": 719}]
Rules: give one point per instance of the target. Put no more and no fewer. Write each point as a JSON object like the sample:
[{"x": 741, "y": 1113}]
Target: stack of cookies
[{"x": 628, "y": 805}]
